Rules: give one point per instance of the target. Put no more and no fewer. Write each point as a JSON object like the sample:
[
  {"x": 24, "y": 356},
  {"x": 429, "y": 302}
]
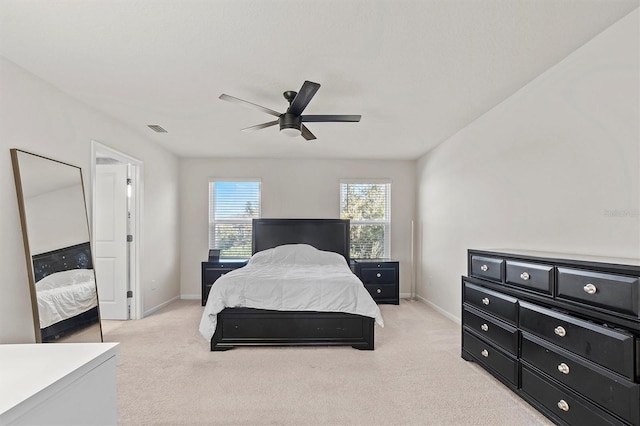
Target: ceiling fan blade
[
  {"x": 249, "y": 104},
  {"x": 302, "y": 99},
  {"x": 306, "y": 133},
  {"x": 260, "y": 126},
  {"x": 334, "y": 118}
]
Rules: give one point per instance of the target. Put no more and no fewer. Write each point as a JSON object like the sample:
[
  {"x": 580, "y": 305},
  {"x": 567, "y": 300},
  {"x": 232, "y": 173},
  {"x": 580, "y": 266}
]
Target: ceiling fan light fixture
[
  {"x": 290, "y": 124},
  {"x": 291, "y": 131}
]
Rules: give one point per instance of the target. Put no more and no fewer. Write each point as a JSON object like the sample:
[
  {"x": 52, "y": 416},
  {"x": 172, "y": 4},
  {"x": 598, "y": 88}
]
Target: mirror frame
[{"x": 25, "y": 237}]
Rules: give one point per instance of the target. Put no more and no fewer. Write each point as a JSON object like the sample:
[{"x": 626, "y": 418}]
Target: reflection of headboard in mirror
[{"x": 74, "y": 257}]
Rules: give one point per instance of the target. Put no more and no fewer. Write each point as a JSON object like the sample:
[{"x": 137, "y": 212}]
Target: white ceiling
[{"x": 417, "y": 71}]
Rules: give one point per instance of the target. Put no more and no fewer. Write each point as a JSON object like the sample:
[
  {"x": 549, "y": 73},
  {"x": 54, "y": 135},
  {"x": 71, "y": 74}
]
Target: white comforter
[
  {"x": 295, "y": 277},
  {"x": 65, "y": 294}
]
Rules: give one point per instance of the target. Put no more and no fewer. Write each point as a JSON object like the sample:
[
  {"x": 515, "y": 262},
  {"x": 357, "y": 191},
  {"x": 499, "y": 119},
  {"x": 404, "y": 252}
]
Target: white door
[{"x": 111, "y": 240}]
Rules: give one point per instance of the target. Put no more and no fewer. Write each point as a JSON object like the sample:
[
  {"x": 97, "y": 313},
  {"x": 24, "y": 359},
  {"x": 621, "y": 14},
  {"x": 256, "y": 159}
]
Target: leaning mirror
[{"x": 55, "y": 231}]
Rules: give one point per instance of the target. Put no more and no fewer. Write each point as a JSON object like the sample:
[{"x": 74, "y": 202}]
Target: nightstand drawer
[
  {"x": 489, "y": 356},
  {"x": 382, "y": 291},
  {"x": 607, "y": 389},
  {"x": 378, "y": 273},
  {"x": 608, "y": 347},
  {"x": 562, "y": 403},
  {"x": 531, "y": 276},
  {"x": 500, "y": 305},
  {"x": 491, "y": 329},
  {"x": 617, "y": 292},
  {"x": 487, "y": 267}
]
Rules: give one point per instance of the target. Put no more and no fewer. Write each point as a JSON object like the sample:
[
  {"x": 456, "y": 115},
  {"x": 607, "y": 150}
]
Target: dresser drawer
[
  {"x": 531, "y": 276},
  {"x": 563, "y": 404},
  {"x": 607, "y": 389},
  {"x": 610, "y": 348},
  {"x": 496, "y": 361},
  {"x": 382, "y": 274},
  {"x": 500, "y": 305},
  {"x": 620, "y": 293},
  {"x": 496, "y": 331},
  {"x": 486, "y": 267}
]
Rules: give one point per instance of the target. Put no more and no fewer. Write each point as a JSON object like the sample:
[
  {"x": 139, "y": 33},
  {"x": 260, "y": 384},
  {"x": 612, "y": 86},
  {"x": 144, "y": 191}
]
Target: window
[
  {"x": 368, "y": 205},
  {"x": 232, "y": 206}
]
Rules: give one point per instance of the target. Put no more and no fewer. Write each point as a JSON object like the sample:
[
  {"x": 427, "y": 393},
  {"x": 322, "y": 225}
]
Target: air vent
[{"x": 156, "y": 128}]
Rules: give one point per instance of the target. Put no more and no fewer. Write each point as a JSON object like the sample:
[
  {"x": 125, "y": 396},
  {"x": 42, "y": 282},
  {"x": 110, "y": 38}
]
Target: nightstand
[
  {"x": 211, "y": 271},
  {"x": 381, "y": 278}
]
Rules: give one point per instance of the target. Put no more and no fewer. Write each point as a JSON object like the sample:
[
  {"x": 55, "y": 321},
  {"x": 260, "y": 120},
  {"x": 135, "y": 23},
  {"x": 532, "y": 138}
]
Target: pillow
[
  {"x": 297, "y": 254},
  {"x": 64, "y": 278}
]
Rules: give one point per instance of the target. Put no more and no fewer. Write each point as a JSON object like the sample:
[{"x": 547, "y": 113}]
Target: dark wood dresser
[
  {"x": 381, "y": 277},
  {"x": 211, "y": 271},
  {"x": 561, "y": 331}
]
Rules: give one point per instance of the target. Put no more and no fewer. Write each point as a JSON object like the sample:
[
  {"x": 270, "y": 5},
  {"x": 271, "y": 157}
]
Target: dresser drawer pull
[
  {"x": 485, "y": 301},
  {"x": 562, "y": 404},
  {"x": 563, "y": 368},
  {"x": 590, "y": 289},
  {"x": 484, "y": 327},
  {"x": 378, "y": 275},
  {"x": 525, "y": 276},
  {"x": 560, "y": 331},
  {"x": 485, "y": 353},
  {"x": 484, "y": 268},
  {"x": 378, "y": 291}
]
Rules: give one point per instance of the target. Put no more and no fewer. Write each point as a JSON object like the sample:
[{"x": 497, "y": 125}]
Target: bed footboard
[{"x": 257, "y": 327}]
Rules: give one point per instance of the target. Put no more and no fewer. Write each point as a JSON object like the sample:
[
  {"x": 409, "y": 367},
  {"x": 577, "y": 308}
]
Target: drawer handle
[
  {"x": 590, "y": 289},
  {"x": 562, "y": 404},
  {"x": 485, "y": 353},
  {"x": 485, "y": 301},
  {"x": 378, "y": 275},
  {"x": 378, "y": 291},
  {"x": 560, "y": 331},
  {"x": 563, "y": 368},
  {"x": 525, "y": 276},
  {"x": 484, "y": 268},
  {"x": 484, "y": 327}
]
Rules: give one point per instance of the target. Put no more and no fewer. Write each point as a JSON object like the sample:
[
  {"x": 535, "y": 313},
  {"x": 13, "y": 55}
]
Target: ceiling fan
[{"x": 291, "y": 122}]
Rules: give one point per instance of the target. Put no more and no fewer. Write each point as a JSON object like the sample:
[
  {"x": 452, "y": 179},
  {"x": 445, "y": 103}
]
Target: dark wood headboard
[
  {"x": 323, "y": 234},
  {"x": 64, "y": 259}
]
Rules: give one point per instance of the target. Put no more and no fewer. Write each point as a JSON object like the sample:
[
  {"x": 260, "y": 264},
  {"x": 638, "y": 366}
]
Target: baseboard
[
  {"x": 158, "y": 307},
  {"x": 439, "y": 310},
  {"x": 190, "y": 297}
]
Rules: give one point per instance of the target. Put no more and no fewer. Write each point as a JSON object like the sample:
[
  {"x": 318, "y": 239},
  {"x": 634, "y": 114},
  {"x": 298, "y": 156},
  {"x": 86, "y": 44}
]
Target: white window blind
[
  {"x": 232, "y": 206},
  {"x": 368, "y": 205}
]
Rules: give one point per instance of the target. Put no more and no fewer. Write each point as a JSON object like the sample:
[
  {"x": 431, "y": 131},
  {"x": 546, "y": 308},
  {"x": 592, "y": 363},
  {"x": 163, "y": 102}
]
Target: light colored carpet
[{"x": 415, "y": 376}]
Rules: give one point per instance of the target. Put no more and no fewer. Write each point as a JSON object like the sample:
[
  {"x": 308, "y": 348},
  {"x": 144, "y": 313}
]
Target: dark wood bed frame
[
  {"x": 64, "y": 259},
  {"x": 258, "y": 327}
]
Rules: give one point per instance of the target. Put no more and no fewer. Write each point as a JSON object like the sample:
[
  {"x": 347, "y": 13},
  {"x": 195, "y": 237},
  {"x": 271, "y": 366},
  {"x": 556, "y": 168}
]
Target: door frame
[{"x": 136, "y": 167}]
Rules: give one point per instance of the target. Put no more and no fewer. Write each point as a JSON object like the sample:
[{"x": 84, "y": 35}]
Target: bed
[
  {"x": 231, "y": 321},
  {"x": 66, "y": 291}
]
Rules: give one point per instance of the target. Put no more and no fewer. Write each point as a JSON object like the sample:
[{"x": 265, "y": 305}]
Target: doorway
[{"x": 115, "y": 223}]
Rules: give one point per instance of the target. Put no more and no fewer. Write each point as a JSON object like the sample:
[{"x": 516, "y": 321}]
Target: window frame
[
  {"x": 212, "y": 221},
  {"x": 386, "y": 222}
]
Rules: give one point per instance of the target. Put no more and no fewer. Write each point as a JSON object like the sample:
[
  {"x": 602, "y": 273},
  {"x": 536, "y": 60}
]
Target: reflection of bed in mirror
[
  {"x": 245, "y": 326},
  {"x": 66, "y": 291}
]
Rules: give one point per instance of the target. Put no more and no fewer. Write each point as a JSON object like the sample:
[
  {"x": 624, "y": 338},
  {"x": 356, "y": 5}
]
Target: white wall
[
  {"x": 291, "y": 189},
  {"x": 555, "y": 167},
  {"x": 56, "y": 219},
  {"x": 36, "y": 117}
]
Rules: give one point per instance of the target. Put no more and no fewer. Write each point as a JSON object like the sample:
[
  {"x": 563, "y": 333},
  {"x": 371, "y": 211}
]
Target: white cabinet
[{"x": 58, "y": 384}]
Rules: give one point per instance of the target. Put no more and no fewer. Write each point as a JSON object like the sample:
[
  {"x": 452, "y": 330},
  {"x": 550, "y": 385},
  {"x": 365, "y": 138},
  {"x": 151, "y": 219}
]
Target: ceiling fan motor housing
[{"x": 290, "y": 121}]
